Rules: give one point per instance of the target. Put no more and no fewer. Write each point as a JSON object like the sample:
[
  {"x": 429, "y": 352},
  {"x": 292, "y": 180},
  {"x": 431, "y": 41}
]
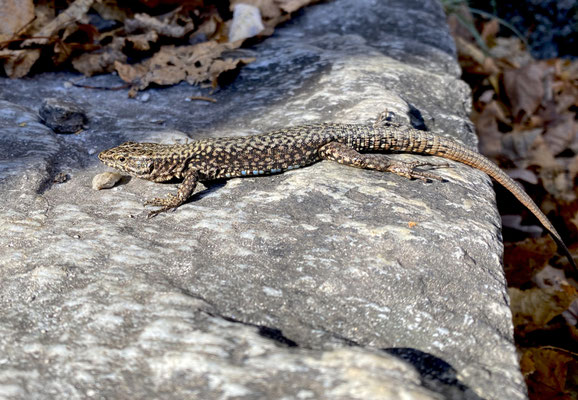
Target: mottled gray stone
[
  {"x": 327, "y": 282},
  {"x": 62, "y": 116}
]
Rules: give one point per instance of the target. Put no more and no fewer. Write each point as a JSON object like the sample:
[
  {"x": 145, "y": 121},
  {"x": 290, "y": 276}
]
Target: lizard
[{"x": 295, "y": 147}]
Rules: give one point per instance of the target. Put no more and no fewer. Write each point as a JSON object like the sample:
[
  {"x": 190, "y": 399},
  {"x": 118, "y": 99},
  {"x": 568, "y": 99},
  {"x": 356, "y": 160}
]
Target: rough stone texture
[
  {"x": 327, "y": 282},
  {"x": 62, "y": 116}
]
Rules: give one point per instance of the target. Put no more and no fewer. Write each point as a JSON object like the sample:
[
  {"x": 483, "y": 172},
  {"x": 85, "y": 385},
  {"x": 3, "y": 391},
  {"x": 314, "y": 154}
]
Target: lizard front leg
[
  {"x": 344, "y": 154},
  {"x": 186, "y": 189}
]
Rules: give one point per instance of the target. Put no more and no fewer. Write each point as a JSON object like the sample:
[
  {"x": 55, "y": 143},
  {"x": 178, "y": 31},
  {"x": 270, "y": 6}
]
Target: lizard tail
[{"x": 449, "y": 149}]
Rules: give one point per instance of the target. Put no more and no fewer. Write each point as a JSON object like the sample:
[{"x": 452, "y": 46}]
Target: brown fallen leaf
[
  {"x": 220, "y": 67},
  {"x": 560, "y": 134},
  {"x": 168, "y": 26},
  {"x": 525, "y": 89},
  {"x": 102, "y": 60},
  {"x": 290, "y": 6},
  {"x": 520, "y": 143},
  {"x": 573, "y": 168},
  {"x": 170, "y": 65},
  {"x": 110, "y": 10},
  {"x": 549, "y": 372},
  {"x": 268, "y": 8},
  {"x": 15, "y": 15},
  {"x": 522, "y": 260},
  {"x": 142, "y": 42},
  {"x": 74, "y": 13},
  {"x": 533, "y": 308},
  {"x": 489, "y": 31},
  {"x": 487, "y": 128},
  {"x": 18, "y": 62}
]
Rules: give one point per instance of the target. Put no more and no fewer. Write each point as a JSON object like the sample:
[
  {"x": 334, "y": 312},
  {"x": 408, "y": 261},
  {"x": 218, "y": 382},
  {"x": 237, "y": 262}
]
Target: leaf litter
[
  {"x": 160, "y": 42},
  {"x": 525, "y": 114}
]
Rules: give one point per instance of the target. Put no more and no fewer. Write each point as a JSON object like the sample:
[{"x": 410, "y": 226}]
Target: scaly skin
[{"x": 296, "y": 147}]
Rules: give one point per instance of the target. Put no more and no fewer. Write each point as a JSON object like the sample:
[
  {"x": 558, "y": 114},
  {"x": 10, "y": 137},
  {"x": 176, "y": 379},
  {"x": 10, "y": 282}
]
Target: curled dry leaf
[
  {"x": 532, "y": 309},
  {"x": 560, "y": 134},
  {"x": 167, "y": 27},
  {"x": 143, "y": 41},
  {"x": 487, "y": 128},
  {"x": 15, "y": 15},
  {"x": 274, "y": 11},
  {"x": 110, "y": 10},
  {"x": 549, "y": 372},
  {"x": 525, "y": 88},
  {"x": 171, "y": 65},
  {"x": 101, "y": 61},
  {"x": 573, "y": 168},
  {"x": 74, "y": 13},
  {"x": 19, "y": 62},
  {"x": 290, "y": 6},
  {"x": 522, "y": 260},
  {"x": 519, "y": 144}
]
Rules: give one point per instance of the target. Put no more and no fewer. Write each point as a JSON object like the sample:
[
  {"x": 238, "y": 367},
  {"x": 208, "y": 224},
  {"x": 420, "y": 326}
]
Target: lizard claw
[
  {"x": 167, "y": 203},
  {"x": 408, "y": 170}
]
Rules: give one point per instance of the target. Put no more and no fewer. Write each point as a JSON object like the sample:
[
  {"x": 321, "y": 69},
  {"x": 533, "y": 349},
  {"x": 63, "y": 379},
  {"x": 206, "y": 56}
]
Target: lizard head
[{"x": 151, "y": 161}]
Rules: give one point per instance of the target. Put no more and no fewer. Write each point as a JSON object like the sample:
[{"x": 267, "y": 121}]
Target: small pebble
[{"x": 106, "y": 180}]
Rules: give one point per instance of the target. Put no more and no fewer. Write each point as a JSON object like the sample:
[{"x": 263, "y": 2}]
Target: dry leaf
[
  {"x": 142, "y": 23},
  {"x": 219, "y": 67},
  {"x": 509, "y": 52},
  {"x": 109, "y": 10},
  {"x": 525, "y": 88},
  {"x": 101, "y": 61},
  {"x": 15, "y": 15},
  {"x": 487, "y": 128},
  {"x": 522, "y": 260},
  {"x": 549, "y": 372},
  {"x": 532, "y": 309},
  {"x": 561, "y": 134},
  {"x": 523, "y": 175},
  {"x": 290, "y": 6},
  {"x": 143, "y": 41},
  {"x": 479, "y": 62},
  {"x": 18, "y": 62},
  {"x": 573, "y": 168},
  {"x": 519, "y": 144},
  {"x": 489, "y": 31},
  {"x": 171, "y": 65},
  {"x": 74, "y": 13},
  {"x": 268, "y": 8}
]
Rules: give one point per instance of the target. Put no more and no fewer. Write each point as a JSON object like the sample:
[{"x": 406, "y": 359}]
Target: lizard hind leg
[{"x": 344, "y": 154}]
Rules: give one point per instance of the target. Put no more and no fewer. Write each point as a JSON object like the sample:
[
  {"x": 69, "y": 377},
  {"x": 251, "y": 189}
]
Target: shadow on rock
[{"x": 436, "y": 374}]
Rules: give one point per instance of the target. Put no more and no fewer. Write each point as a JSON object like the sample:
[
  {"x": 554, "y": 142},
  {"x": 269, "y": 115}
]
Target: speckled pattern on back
[{"x": 297, "y": 147}]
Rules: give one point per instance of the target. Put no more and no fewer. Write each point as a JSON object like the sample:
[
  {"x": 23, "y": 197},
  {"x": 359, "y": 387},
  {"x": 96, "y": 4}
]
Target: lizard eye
[{"x": 121, "y": 159}]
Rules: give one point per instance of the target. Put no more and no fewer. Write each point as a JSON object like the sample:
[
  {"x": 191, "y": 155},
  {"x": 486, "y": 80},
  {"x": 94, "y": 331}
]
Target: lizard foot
[
  {"x": 408, "y": 170},
  {"x": 166, "y": 203}
]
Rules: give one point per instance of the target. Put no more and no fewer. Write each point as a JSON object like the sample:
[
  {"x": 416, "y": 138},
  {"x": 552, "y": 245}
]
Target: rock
[
  {"x": 325, "y": 282},
  {"x": 106, "y": 180},
  {"x": 62, "y": 116}
]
